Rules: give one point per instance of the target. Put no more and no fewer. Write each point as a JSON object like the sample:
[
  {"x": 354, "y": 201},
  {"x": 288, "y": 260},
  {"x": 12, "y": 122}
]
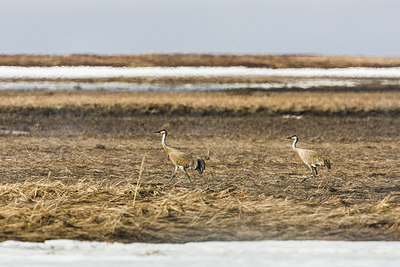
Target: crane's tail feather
[
  {"x": 201, "y": 165},
  {"x": 327, "y": 163}
]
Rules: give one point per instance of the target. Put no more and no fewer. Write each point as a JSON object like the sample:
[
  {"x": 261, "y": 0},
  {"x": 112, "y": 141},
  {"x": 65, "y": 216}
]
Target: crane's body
[
  {"x": 311, "y": 158},
  {"x": 182, "y": 160}
]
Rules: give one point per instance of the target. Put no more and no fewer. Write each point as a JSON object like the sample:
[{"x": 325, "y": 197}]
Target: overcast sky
[{"x": 332, "y": 27}]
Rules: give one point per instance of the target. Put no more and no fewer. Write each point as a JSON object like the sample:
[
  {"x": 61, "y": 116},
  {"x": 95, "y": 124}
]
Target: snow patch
[
  {"x": 288, "y": 116},
  {"x": 82, "y": 72},
  {"x": 14, "y": 132},
  {"x": 257, "y": 253}
]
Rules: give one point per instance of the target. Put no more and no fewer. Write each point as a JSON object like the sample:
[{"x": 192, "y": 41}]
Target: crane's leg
[
  {"x": 184, "y": 170},
  {"x": 302, "y": 181},
  {"x": 172, "y": 177},
  {"x": 314, "y": 172}
]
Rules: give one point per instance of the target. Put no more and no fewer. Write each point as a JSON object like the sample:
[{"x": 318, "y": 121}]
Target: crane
[
  {"x": 311, "y": 158},
  {"x": 181, "y": 160}
]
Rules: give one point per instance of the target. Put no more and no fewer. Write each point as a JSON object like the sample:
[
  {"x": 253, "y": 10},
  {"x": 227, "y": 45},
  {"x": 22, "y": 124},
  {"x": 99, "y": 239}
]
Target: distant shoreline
[{"x": 195, "y": 60}]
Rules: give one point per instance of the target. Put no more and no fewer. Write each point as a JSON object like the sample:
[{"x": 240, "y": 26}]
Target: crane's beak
[
  {"x": 289, "y": 137},
  {"x": 157, "y": 132}
]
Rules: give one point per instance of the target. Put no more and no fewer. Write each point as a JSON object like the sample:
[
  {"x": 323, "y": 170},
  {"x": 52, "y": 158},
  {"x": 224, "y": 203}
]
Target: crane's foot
[
  {"x": 302, "y": 181},
  {"x": 189, "y": 180},
  {"x": 170, "y": 179}
]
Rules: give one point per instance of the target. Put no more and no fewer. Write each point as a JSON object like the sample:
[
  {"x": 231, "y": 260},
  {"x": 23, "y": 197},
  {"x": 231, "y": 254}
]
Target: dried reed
[
  {"x": 138, "y": 180},
  {"x": 40, "y": 211}
]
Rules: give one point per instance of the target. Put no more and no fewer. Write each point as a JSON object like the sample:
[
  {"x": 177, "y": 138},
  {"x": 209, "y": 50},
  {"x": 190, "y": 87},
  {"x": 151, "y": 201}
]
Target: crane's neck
[
  {"x": 295, "y": 142},
  {"x": 164, "y": 145}
]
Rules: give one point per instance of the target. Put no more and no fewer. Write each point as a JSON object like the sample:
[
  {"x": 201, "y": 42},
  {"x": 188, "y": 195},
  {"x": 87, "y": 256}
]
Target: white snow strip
[
  {"x": 14, "y": 72},
  {"x": 13, "y": 132},
  {"x": 118, "y": 86},
  {"x": 258, "y": 253}
]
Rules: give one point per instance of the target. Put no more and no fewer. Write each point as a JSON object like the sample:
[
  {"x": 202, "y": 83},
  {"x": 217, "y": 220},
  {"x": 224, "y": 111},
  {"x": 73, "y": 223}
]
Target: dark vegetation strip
[{"x": 168, "y": 109}]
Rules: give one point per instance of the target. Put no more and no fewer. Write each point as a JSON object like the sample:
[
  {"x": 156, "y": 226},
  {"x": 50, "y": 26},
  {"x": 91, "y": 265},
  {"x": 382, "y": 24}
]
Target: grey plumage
[
  {"x": 311, "y": 158},
  {"x": 182, "y": 160}
]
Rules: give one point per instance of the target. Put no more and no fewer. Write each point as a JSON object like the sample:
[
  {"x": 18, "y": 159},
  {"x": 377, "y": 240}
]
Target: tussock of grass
[{"x": 48, "y": 210}]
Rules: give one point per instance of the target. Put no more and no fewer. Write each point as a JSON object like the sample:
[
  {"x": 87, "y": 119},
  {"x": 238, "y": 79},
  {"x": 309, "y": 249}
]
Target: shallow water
[{"x": 123, "y": 86}]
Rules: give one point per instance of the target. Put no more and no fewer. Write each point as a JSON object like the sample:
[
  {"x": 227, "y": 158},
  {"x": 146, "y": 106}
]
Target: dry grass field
[
  {"x": 88, "y": 166},
  {"x": 230, "y": 102},
  {"x": 173, "y": 60}
]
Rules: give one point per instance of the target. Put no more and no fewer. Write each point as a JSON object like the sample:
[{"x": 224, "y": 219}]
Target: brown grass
[
  {"x": 173, "y": 60},
  {"x": 234, "y": 102},
  {"x": 76, "y": 174},
  {"x": 48, "y": 210}
]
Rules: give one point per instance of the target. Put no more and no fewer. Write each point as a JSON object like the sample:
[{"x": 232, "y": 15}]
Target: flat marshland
[
  {"x": 212, "y": 60},
  {"x": 88, "y": 165}
]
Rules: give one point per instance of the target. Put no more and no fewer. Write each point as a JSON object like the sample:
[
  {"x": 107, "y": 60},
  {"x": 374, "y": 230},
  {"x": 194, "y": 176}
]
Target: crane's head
[
  {"x": 293, "y": 137},
  {"x": 162, "y": 131}
]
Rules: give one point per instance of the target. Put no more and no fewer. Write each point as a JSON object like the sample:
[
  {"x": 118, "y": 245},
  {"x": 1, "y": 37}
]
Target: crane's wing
[
  {"x": 180, "y": 158},
  {"x": 311, "y": 157}
]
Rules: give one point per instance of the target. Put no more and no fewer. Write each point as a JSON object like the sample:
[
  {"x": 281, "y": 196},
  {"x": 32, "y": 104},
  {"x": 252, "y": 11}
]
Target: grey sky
[{"x": 333, "y": 27}]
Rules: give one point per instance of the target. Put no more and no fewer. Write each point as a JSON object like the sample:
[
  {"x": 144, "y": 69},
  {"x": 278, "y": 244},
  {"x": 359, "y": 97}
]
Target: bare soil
[{"x": 88, "y": 166}]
